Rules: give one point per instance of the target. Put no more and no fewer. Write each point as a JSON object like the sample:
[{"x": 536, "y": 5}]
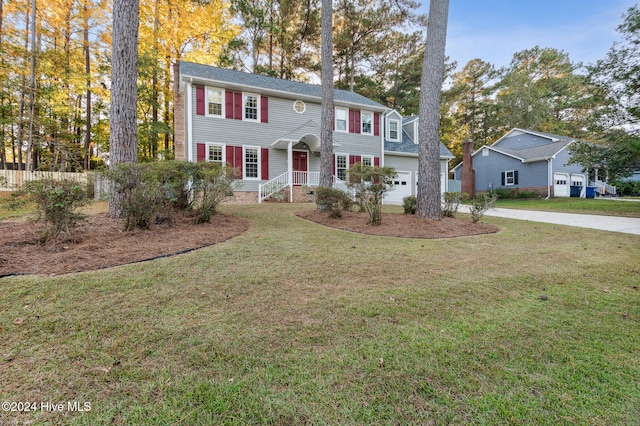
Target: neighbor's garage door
[
  {"x": 401, "y": 188},
  {"x": 560, "y": 185}
]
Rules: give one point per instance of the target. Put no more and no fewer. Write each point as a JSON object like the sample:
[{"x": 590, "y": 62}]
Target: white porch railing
[
  {"x": 310, "y": 179},
  {"x": 603, "y": 188}
]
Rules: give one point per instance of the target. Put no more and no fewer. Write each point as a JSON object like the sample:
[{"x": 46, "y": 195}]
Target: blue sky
[{"x": 493, "y": 30}]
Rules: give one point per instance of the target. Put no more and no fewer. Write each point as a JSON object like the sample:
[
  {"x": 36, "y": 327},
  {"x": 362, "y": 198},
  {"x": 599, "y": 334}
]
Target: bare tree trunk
[
  {"x": 32, "y": 87},
  {"x": 23, "y": 95},
  {"x": 87, "y": 70},
  {"x": 429, "y": 198},
  {"x": 3, "y": 157},
  {"x": 154, "y": 86},
  {"x": 326, "y": 123},
  {"x": 123, "y": 139}
]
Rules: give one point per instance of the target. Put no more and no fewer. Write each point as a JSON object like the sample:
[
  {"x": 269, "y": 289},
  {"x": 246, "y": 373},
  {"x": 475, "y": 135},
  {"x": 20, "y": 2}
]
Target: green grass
[
  {"x": 608, "y": 207},
  {"x": 295, "y": 323}
]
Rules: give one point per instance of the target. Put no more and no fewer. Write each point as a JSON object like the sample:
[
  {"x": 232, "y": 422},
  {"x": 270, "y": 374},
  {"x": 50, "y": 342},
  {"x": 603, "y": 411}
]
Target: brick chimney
[{"x": 468, "y": 173}]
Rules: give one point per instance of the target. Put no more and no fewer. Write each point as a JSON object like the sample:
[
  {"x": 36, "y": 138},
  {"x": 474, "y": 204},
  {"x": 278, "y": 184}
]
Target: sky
[{"x": 493, "y": 30}]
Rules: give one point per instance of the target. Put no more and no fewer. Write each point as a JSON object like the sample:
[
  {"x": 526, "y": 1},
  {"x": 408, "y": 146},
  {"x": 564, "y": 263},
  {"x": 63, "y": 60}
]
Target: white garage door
[
  {"x": 561, "y": 185},
  {"x": 401, "y": 188}
]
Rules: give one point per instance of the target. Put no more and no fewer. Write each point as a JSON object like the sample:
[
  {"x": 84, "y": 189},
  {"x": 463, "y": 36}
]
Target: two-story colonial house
[{"x": 269, "y": 129}]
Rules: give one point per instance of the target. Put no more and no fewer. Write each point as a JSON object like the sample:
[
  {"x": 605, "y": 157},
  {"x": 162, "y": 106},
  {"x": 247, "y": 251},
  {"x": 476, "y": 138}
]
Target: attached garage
[
  {"x": 401, "y": 188},
  {"x": 561, "y": 185}
]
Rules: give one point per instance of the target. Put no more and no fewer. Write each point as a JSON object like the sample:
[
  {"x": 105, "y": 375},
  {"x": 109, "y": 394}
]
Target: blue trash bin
[{"x": 591, "y": 192}]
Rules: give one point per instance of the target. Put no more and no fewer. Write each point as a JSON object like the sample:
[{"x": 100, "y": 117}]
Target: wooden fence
[{"x": 15, "y": 178}]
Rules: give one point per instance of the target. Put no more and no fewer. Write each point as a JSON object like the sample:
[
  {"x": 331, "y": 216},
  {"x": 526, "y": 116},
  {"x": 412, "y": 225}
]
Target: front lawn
[
  {"x": 598, "y": 206},
  {"x": 295, "y": 323}
]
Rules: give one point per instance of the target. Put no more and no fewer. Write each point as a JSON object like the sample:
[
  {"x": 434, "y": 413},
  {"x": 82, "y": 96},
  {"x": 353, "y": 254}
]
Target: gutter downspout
[
  {"x": 549, "y": 177},
  {"x": 189, "y": 140}
]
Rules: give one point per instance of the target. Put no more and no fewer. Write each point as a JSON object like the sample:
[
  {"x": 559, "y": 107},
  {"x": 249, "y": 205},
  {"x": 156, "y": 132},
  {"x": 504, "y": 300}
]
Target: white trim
[
  {"x": 244, "y": 162},
  {"x": 506, "y": 178},
  {"x": 304, "y": 106},
  {"x": 346, "y": 160},
  {"x": 221, "y": 145},
  {"x": 346, "y": 120},
  {"x": 222, "y": 102},
  {"x": 189, "y": 122},
  {"x": 370, "y": 132},
  {"x": 244, "y": 106},
  {"x": 398, "y": 130}
]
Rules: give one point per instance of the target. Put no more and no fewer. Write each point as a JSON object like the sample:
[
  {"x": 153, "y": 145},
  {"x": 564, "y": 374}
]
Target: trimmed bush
[
  {"x": 409, "y": 203},
  {"x": 332, "y": 200},
  {"x": 212, "y": 182}
]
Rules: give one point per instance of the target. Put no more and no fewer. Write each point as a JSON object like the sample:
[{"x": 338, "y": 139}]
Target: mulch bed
[
  {"x": 401, "y": 225},
  {"x": 99, "y": 242}
]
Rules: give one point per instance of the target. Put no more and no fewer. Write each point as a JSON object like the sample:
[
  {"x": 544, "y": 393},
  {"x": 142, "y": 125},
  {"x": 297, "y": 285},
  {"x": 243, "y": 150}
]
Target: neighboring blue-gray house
[
  {"x": 527, "y": 160},
  {"x": 269, "y": 129}
]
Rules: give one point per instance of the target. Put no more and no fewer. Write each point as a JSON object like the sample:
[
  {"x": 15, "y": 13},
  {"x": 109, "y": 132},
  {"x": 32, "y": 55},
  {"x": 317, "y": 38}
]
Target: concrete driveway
[{"x": 625, "y": 225}]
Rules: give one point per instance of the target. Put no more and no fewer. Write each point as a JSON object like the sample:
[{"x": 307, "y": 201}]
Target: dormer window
[
  {"x": 394, "y": 125},
  {"x": 367, "y": 123},
  {"x": 342, "y": 115}
]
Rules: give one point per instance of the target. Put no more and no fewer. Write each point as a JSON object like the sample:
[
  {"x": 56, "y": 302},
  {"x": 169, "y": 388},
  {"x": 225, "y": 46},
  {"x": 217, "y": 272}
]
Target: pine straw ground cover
[{"x": 296, "y": 323}]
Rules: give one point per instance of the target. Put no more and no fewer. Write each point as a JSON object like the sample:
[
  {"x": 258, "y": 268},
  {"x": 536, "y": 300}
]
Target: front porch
[{"x": 293, "y": 180}]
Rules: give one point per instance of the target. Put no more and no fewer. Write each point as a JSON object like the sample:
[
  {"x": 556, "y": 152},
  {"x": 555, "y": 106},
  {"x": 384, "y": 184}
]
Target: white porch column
[{"x": 290, "y": 169}]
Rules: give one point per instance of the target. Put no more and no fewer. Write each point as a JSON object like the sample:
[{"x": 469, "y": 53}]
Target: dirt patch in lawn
[
  {"x": 401, "y": 225},
  {"x": 99, "y": 242}
]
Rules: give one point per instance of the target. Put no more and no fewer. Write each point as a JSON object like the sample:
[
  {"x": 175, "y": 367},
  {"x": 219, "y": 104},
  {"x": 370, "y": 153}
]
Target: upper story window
[
  {"x": 367, "y": 122},
  {"x": 342, "y": 115},
  {"x": 251, "y": 107},
  {"x": 394, "y": 125},
  {"x": 214, "y": 102},
  {"x": 215, "y": 154}
]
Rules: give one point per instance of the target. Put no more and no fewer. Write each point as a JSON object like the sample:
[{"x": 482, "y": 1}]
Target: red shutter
[
  {"x": 352, "y": 121},
  {"x": 228, "y": 104},
  {"x": 352, "y": 160},
  {"x": 357, "y": 125},
  {"x": 200, "y": 100},
  {"x": 376, "y": 124},
  {"x": 231, "y": 161},
  {"x": 201, "y": 150},
  {"x": 376, "y": 161},
  {"x": 264, "y": 109},
  {"x": 239, "y": 161},
  {"x": 358, "y": 159},
  {"x": 237, "y": 106},
  {"x": 264, "y": 163}
]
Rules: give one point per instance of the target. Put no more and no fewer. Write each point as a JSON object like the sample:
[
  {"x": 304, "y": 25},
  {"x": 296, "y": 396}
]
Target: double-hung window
[
  {"x": 342, "y": 115},
  {"x": 367, "y": 123},
  {"x": 251, "y": 163},
  {"x": 509, "y": 177},
  {"x": 214, "y": 102},
  {"x": 215, "y": 154},
  {"x": 251, "y": 107},
  {"x": 367, "y": 160},
  {"x": 393, "y": 130}
]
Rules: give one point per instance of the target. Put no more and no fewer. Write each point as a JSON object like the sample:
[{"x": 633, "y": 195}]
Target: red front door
[{"x": 300, "y": 164}]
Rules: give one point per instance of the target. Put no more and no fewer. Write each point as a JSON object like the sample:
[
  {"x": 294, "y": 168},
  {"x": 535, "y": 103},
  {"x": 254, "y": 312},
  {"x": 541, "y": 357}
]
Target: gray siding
[
  {"x": 410, "y": 164},
  {"x": 560, "y": 163},
  {"x": 489, "y": 171},
  {"x": 282, "y": 120}
]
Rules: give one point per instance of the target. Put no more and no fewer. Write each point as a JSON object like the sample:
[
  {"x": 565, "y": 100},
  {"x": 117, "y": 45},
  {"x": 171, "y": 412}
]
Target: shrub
[
  {"x": 451, "y": 202},
  {"x": 409, "y": 204},
  {"x": 56, "y": 203},
  {"x": 175, "y": 178},
  {"x": 481, "y": 204},
  {"x": 138, "y": 192},
  {"x": 333, "y": 200},
  {"x": 627, "y": 187},
  {"x": 212, "y": 182},
  {"x": 513, "y": 193}
]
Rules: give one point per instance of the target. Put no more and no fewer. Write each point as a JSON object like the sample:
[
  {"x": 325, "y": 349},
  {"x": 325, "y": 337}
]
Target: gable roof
[
  {"x": 532, "y": 154},
  {"x": 208, "y": 74},
  {"x": 408, "y": 147}
]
